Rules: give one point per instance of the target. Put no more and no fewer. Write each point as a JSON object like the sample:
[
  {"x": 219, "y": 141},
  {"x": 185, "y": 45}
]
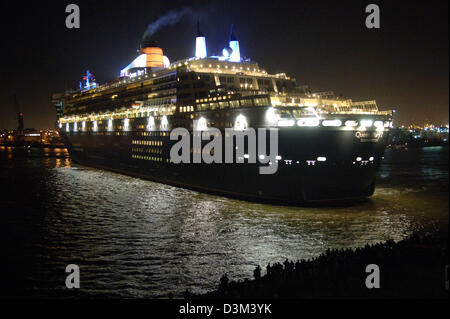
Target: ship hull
[{"x": 348, "y": 173}]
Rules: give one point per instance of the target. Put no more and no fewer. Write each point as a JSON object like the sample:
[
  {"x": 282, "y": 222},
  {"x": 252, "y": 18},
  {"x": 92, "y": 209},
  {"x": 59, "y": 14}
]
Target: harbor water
[{"x": 134, "y": 238}]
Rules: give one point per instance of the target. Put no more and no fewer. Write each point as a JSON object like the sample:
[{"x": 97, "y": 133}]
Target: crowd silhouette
[{"x": 413, "y": 267}]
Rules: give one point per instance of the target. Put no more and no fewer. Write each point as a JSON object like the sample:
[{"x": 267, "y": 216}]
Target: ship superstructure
[{"x": 329, "y": 147}]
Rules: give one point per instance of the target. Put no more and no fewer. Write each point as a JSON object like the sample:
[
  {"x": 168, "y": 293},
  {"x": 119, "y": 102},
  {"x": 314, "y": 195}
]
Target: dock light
[
  {"x": 75, "y": 126},
  {"x": 322, "y": 159},
  {"x": 240, "y": 123},
  {"x": 271, "y": 116},
  {"x": 359, "y": 159},
  {"x": 126, "y": 124},
  {"x": 67, "y": 127},
  {"x": 83, "y": 125},
  {"x": 334, "y": 123},
  {"x": 286, "y": 122},
  {"x": 308, "y": 122},
  {"x": 110, "y": 124},
  {"x": 94, "y": 124},
  {"x": 366, "y": 123},
  {"x": 371, "y": 158},
  {"x": 60, "y": 126},
  {"x": 351, "y": 123}
]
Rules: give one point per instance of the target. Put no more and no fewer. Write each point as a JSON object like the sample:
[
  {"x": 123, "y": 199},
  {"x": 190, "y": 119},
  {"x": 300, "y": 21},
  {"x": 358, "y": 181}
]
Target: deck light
[
  {"x": 241, "y": 122},
  {"x": 334, "y": 123},
  {"x": 286, "y": 122},
  {"x": 351, "y": 123},
  {"x": 308, "y": 122},
  {"x": 366, "y": 123},
  {"x": 271, "y": 115}
]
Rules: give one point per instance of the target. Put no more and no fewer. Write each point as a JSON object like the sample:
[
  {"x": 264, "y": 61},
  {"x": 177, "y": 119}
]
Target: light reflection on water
[{"x": 136, "y": 238}]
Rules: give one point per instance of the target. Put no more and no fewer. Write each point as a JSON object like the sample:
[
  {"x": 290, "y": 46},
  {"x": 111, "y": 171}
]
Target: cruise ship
[{"x": 329, "y": 147}]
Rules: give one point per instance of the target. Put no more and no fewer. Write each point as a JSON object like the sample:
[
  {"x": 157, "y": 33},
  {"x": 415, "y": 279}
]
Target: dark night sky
[{"x": 324, "y": 44}]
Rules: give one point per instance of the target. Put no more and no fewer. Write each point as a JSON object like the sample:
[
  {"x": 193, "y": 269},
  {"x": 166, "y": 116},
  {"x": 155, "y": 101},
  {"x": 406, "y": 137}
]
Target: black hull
[{"x": 341, "y": 177}]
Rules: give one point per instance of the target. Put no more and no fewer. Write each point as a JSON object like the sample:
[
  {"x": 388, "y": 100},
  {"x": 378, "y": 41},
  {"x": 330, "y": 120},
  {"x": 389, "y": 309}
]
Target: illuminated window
[
  {"x": 234, "y": 103},
  {"x": 223, "y": 105},
  {"x": 246, "y": 102}
]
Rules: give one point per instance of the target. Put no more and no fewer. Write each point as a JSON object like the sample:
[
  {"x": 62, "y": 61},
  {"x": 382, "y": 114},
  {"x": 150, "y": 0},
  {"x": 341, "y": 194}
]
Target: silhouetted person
[
  {"x": 257, "y": 272},
  {"x": 187, "y": 294},
  {"x": 223, "y": 283},
  {"x": 286, "y": 264},
  {"x": 269, "y": 270}
]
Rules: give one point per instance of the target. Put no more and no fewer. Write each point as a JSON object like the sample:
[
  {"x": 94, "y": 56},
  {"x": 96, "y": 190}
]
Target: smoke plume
[{"x": 170, "y": 18}]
